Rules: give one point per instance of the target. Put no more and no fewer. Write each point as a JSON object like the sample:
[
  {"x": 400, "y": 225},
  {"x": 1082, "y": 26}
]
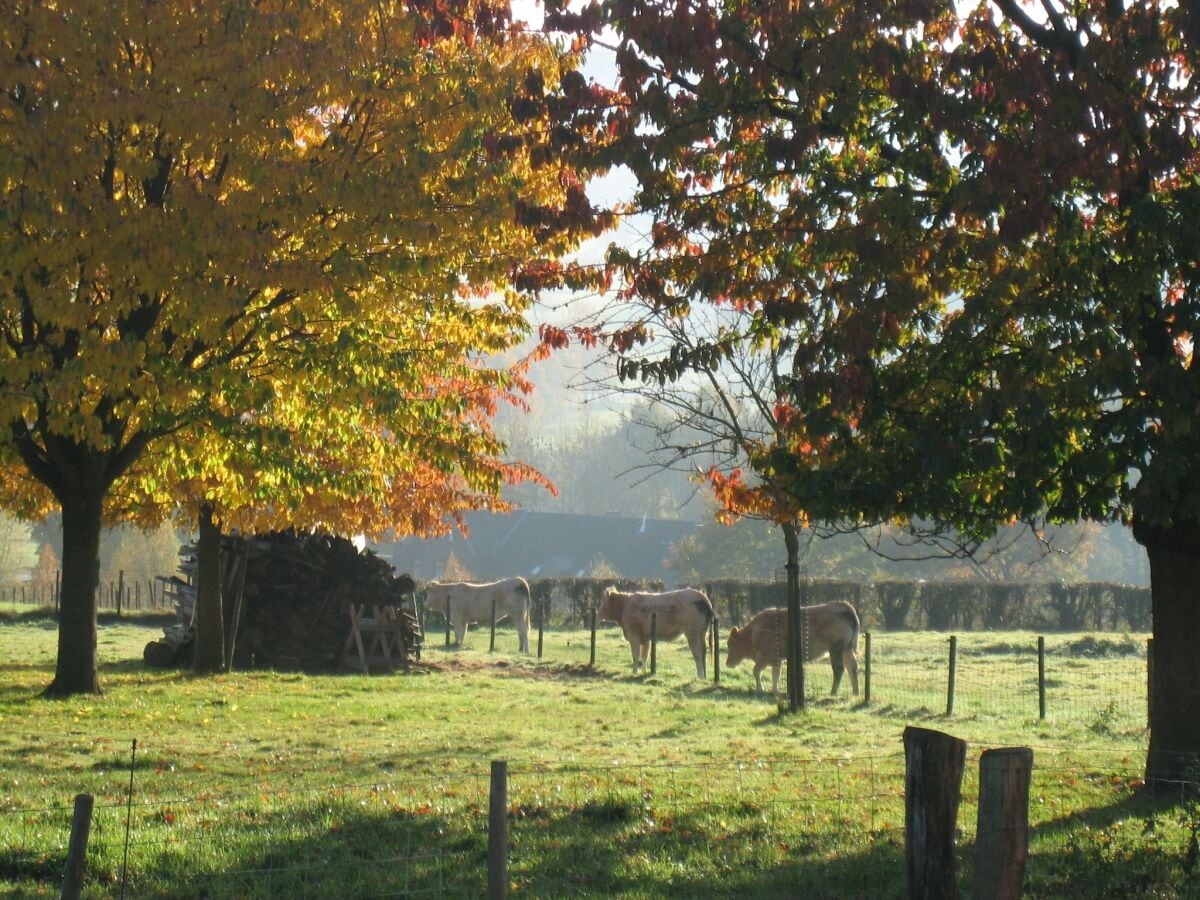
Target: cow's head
[
  {"x": 612, "y": 606},
  {"x": 436, "y": 595},
  {"x": 737, "y": 643}
]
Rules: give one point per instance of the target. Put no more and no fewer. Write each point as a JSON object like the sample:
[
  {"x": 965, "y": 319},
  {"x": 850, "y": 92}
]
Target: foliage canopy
[
  {"x": 253, "y": 255},
  {"x": 981, "y": 221}
]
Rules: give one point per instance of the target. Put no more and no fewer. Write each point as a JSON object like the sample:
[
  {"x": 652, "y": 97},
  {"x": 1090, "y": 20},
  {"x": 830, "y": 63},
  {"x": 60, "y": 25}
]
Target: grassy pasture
[{"x": 264, "y": 784}]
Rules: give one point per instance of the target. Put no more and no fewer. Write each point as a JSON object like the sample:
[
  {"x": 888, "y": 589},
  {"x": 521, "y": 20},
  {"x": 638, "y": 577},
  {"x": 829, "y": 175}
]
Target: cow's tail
[
  {"x": 851, "y": 617},
  {"x": 523, "y": 588}
]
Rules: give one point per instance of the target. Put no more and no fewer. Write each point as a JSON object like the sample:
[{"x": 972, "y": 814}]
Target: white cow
[
  {"x": 468, "y": 603},
  {"x": 685, "y": 611}
]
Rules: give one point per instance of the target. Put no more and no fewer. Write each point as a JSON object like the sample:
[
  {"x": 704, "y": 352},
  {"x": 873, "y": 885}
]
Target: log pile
[{"x": 287, "y": 600}]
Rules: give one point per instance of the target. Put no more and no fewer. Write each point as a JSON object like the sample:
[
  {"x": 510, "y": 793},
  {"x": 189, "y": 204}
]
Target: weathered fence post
[
  {"x": 447, "y": 621},
  {"x": 867, "y": 667},
  {"x": 1041, "y": 677},
  {"x": 592, "y": 658},
  {"x": 933, "y": 768},
  {"x": 498, "y": 832},
  {"x": 950, "y": 679},
  {"x": 120, "y": 590},
  {"x": 81, "y": 826},
  {"x": 1002, "y": 829},
  {"x": 653, "y": 643},
  {"x": 716, "y": 638},
  {"x": 492, "y": 639},
  {"x": 542, "y": 607}
]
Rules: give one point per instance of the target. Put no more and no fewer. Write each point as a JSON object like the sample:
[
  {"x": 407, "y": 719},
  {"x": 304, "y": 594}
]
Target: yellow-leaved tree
[{"x": 252, "y": 257}]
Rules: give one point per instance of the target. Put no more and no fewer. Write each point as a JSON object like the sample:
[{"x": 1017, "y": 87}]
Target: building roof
[{"x": 541, "y": 544}]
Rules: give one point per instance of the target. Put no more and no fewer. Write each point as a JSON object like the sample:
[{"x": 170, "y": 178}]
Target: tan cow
[
  {"x": 685, "y": 611},
  {"x": 469, "y": 603},
  {"x": 828, "y": 628}
]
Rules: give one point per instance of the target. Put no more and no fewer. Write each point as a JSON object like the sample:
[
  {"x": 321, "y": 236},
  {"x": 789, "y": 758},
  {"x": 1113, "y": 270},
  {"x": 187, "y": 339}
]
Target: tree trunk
[
  {"x": 795, "y": 643},
  {"x": 75, "y": 671},
  {"x": 1175, "y": 676},
  {"x": 209, "y": 656}
]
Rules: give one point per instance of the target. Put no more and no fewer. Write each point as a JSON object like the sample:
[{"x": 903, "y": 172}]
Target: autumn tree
[
  {"x": 240, "y": 242},
  {"x": 984, "y": 214}
]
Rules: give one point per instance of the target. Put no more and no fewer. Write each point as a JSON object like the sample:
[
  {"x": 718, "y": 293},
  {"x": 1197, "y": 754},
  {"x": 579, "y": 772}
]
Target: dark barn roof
[{"x": 541, "y": 544}]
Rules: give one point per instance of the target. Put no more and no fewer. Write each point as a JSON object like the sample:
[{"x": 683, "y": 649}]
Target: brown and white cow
[
  {"x": 685, "y": 611},
  {"x": 831, "y": 628},
  {"x": 471, "y": 603}
]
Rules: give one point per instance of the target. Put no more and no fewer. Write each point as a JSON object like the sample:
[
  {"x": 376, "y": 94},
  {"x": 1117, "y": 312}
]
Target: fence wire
[{"x": 762, "y": 827}]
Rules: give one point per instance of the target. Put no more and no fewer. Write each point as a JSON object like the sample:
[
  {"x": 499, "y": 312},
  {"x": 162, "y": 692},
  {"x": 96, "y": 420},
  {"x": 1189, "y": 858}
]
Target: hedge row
[{"x": 889, "y": 605}]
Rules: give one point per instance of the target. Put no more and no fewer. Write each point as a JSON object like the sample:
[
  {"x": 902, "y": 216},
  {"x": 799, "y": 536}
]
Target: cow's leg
[
  {"x": 635, "y": 649},
  {"x": 775, "y": 678},
  {"x": 700, "y": 654},
  {"x": 523, "y": 632},
  {"x": 758, "y": 667},
  {"x": 835, "y": 660},
  {"x": 460, "y": 630},
  {"x": 852, "y": 665}
]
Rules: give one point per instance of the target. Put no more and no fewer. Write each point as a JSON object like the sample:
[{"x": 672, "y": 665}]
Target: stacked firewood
[{"x": 287, "y": 599}]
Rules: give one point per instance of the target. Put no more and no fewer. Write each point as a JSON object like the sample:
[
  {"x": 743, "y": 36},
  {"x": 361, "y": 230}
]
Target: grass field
[{"x": 264, "y": 784}]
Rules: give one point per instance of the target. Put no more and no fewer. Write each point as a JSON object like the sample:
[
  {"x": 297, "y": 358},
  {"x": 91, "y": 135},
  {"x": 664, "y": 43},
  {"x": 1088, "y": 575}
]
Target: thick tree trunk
[
  {"x": 209, "y": 656},
  {"x": 75, "y": 671},
  {"x": 1175, "y": 674}
]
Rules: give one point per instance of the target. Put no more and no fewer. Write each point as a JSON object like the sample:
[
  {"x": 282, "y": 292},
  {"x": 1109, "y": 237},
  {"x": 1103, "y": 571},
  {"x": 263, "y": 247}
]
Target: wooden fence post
[
  {"x": 592, "y": 658},
  {"x": 933, "y": 768},
  {"x": 492, "y": 639},
  {"x": 716, "y": 638},
  {"x": 950, "y": 679},
  {"x": 497, "y": 864},
  {"x": 120, "y": 590},
  {"x": 81, "y": 826},
  {"x": 867, "y": 668},
  {"x": 447, "y": 621},
  {"x": 1002, "y": 829},
  {"x": 542, "y": 607},
  {"x": 1041, "y": 677},
  {"x": 653, "y": 643}
]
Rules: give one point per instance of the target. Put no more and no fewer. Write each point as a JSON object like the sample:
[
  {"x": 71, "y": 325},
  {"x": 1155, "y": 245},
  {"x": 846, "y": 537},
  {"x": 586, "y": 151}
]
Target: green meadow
[{"x": 273, "y": 784}]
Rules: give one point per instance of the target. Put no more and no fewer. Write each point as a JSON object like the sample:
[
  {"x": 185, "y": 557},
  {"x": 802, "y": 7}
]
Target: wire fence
[
  {"x": 1099, "y": 681},
  {"x": 762, "y": 827},
  {"x": 114, "y": 593}
]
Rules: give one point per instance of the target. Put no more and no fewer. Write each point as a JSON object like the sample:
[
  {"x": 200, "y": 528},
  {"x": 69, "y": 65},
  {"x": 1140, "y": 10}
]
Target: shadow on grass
[
  {"x": 605, "y": 848},
  {"x": 609, "y": 846},
  {"x": 1124, "y": 848}
]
